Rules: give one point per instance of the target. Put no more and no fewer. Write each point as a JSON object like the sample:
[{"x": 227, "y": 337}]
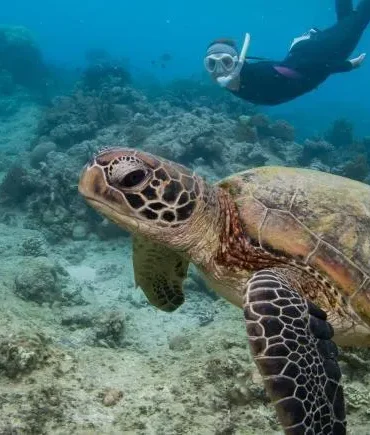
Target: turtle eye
[{"x": 132, "y": 179}]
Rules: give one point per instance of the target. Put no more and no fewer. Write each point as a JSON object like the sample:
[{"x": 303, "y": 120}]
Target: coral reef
[
  {"x": 21, "y": 60},
  {"x": 358, "y": 168},
  {"x": 340, "y": 134},
  {"x": 48, "y": 194},
  {"x": 82, "y": 115},
  {"x": 42, "y": 280},
  {"x": 34, "y": 247},
  {"x": 78, "y": 320},
  {"x": 188, "y": 138},
  {"x": 122, "y": 366},
  {"x": 74, "y": 119},
  {"x": 110, "y": 329},
  {"x": 111, "y": 396},
  {"x": 22, "y": 353},
  {"x": 37, "y": 280},
  {"x": 212, "y": 143},
  {"x": 105, "y": 74},
  {"x": 105, "y": 329},
  {"x": 259, "y": 126},
  {"x": 317, "y": 149},
  {"x": 246, "y": 131},
  {"x": 39, "y": 411},
  {"x": 188, "y": 94},
  {"x": 18, "y": 185},
  {"x": 39, "y": 153},
  {"x": 282, "y": 130}
]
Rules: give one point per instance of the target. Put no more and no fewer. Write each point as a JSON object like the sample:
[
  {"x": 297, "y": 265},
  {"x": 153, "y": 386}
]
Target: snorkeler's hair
[{"x": 225, "y": 41}]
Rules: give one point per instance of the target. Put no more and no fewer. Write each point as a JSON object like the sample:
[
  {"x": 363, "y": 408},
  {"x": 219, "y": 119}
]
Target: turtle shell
[{"x": 318, "y": 219}]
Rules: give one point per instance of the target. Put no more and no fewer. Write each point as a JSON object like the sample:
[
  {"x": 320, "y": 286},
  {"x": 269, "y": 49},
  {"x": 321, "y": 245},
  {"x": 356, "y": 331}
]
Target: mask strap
[{"x": 224, "y": 81}]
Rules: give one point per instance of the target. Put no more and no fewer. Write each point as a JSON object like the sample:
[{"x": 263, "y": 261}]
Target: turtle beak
[
  {"x": 91, "y": 182},
  {"x": 94, "y": 188}
]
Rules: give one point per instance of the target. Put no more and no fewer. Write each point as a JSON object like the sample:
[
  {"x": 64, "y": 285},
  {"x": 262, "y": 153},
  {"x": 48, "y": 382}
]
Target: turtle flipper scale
[
  {"x": 160, "y": 273},
  {"x": 291, "y": 344}
]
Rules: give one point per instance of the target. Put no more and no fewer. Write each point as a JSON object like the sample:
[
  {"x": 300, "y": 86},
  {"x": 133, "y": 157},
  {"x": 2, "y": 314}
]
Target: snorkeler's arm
[{"x": 341, "y": 67}]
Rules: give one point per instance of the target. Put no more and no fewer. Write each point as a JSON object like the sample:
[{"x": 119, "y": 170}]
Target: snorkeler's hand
[
  {"x": 224, "y": 81},
  {"x": 357, "y": 61},
  {"x": 230, "y": 82}
]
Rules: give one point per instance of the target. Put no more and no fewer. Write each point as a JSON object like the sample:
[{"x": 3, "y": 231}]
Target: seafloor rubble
[{"x": 81, "y": 350}]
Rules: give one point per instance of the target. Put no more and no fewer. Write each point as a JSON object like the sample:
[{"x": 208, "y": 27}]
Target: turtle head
[{"x": 144, "y": 194}]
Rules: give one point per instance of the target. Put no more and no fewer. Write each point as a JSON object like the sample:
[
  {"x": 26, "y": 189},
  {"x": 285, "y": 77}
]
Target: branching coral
[
  {"x": 317, "y": 149},
  {"x": 33, "y": 247},
  {"x": 282, "y": 130},
  {"x": 358, "y": 168},
  {"x": 340, "y": 134},
  {"x": 74, "y": 119}
]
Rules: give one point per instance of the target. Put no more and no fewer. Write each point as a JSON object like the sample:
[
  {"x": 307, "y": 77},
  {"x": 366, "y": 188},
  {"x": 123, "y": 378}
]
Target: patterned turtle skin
[
  {"x": 290, "y": 246},
  {"x": 317, "y": 222}
]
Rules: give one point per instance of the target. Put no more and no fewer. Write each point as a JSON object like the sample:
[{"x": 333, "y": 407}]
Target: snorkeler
[{"x": 312, "y": 58}]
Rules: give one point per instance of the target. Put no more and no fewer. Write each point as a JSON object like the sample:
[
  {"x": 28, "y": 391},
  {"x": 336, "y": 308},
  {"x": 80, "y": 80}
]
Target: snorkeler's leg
[
  {"x": 363, "y": 12},
  {"x": 343, "y": 38},
  {"x": 343, "y": 8}
]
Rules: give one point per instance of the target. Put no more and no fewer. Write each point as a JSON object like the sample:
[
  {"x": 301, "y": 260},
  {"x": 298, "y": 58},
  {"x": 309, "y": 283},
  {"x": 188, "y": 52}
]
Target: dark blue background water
[{"x": 143, "y": 30}]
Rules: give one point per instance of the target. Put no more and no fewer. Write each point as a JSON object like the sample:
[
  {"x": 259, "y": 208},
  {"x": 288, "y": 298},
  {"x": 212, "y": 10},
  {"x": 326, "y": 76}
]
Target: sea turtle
[{"x": 290, "y": 246}]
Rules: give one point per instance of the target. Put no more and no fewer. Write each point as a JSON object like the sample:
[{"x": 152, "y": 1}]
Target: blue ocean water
[
  {"x": 87, "y": 342},
  {"x": 141, "y": 31}
]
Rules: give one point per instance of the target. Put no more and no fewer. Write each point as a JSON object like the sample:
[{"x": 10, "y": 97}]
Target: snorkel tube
[{"x": 225, "y": 81}]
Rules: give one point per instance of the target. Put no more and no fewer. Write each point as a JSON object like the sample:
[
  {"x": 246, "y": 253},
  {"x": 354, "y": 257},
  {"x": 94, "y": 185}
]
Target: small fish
[
  {"x": 166, "y": 57},
  {"x": 162, "y": 60}
]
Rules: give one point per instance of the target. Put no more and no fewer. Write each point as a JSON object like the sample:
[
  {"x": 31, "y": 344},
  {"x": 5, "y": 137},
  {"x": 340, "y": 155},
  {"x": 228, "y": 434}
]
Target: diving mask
[
  {"x": 220, "y": 62},
  {"x": 223, "y": 63}
]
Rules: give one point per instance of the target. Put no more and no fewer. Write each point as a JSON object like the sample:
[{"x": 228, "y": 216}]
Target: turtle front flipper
[
  {"x": 160, "y": 273},
  {"x": 291, "y": 343}
]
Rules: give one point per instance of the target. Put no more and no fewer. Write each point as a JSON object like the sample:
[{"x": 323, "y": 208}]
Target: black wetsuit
[{"x": 309, "y": 62}]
